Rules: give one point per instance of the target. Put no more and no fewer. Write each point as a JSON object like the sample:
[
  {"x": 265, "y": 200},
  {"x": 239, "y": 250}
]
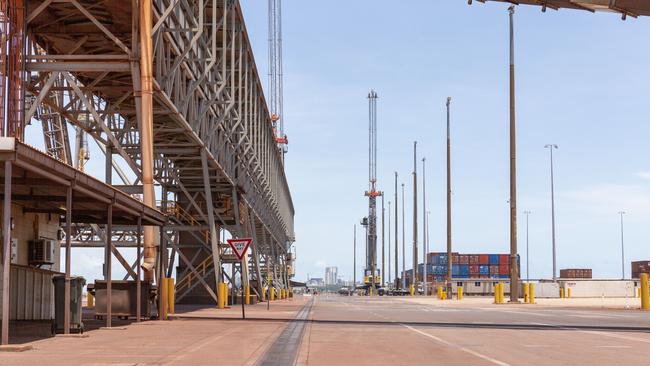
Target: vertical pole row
[{"x": 6, "y": 246}]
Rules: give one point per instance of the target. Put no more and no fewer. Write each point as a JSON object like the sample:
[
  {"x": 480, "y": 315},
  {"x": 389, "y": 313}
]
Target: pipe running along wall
[{"x": 146, "y": 131}]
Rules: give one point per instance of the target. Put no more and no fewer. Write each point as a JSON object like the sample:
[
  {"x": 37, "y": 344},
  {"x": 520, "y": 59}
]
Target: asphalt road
[{"x": 394, "y": 331}]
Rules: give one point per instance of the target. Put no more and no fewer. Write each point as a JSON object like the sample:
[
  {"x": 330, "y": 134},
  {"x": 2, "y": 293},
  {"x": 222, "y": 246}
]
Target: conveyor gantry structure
[{"x": 215, "y": 157}]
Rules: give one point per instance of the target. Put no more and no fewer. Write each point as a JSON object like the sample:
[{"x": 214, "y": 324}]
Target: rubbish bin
[{"x": 76, "y": 289}]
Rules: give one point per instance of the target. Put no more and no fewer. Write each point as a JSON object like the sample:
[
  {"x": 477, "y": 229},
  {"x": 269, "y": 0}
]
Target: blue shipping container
[
  {"x": 494, "y": 259},
  {"x": 484, "y": 269},
  {"x": 464, "y": 270},
  {"x": 455, "y": 270}
]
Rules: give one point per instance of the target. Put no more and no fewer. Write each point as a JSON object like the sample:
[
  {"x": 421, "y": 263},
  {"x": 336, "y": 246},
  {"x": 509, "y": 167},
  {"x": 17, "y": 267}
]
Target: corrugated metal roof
[{"x": 627, "y": 7}]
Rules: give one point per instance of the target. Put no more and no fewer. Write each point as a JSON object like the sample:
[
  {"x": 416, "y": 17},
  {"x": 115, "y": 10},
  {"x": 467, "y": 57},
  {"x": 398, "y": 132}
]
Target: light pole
[
  {"x": 424, "y": 227},
  {"x": 550, "y": 148},
  {"x": 354, "y": 266},
  {"x": 383, "y": 243},
  {"x": 403, "y": 242},
  {"x": 622, "y": 247},
  {"x": 449, "y": 260},
  {"x": 527, "y": 213},
  {"x": 514, "y": 269},
  {"x": 397, "y": 282},
  {"x": 389, "y": 269},
  {"x": 415, "y": 219}
]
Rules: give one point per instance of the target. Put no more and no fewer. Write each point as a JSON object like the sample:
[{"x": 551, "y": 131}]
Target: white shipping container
[
  {"x": 613, "y": 288},
  {"x": 547, "y": 290}
]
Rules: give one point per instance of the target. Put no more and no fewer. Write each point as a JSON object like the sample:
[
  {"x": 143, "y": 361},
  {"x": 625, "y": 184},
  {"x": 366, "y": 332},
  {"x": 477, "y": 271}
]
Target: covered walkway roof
[
  {"x": 39, "y": 184},
  {"x": 632, "y": 8}
]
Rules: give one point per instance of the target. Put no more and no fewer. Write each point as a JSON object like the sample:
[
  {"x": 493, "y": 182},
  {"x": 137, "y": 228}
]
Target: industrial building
[{"x": 192, "y": 153}]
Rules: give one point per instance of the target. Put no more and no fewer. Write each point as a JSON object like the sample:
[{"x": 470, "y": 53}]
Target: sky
[{"x": 582, "y": 83}]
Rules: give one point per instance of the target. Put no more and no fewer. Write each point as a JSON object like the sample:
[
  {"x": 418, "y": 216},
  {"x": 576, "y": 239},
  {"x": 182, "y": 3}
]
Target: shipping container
[
  {"x": 639, "y": 267},
  {"x": 463, "y": 259},
  {"x": 494, "y": 270},
  {"x": 576, "y": 273},
  {"x": 473, "y": 259},
  {"x": 484, "y": 269},
  {"x": 504, "y": 258},
  {"x": 494, "y": 259},
  {"x": 473, "y": 269},
  {"x": 484, "y": 259}
]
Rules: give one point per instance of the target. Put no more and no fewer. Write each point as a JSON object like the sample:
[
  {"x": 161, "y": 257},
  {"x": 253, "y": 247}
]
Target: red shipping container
[
  {"x": 463, "y": 259},
  {"x": 494, "y": 270},
  {"x": 473, "y": 269},
  {"x": 455, "y": 259},
  {"x": 504, "y": 269},
  {"x": 473, "y": 259},
  {"x": 504, "y": 258},
  {"x": 483, "y": 276},
  {"x": 483, "y": 259}
]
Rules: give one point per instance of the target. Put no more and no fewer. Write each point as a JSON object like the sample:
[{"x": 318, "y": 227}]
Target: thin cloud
[{"x": 644, "y": 175}]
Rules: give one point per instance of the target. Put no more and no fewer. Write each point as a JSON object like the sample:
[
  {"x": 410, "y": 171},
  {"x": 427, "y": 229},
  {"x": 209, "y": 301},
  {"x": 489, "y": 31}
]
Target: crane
[{"x": 372, "y": 277}]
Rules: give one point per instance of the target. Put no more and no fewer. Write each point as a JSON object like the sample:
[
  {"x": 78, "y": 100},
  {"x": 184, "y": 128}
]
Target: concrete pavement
[{"x": 326, "y": 330}]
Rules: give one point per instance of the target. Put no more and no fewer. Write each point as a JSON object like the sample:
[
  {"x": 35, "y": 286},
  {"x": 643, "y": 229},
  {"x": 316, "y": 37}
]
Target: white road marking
[
  {"x": 467, "y": 350},
  {"x": 438, "y": 339},
  {"x": 597, "y": 332}
]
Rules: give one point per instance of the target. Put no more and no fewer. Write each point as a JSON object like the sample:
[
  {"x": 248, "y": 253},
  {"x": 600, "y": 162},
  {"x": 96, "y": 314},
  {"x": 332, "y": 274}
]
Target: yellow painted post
[
  {"x": 171, "y": 295},
  {"x": 444, "y": 295},
  {"x": 568, "y": 293},
  {"x": 90, "y": 300},
  {"x": 496, "y": 293},
  {"x": 561, "y": 292},
  {"x": 247, "y": 292},
  {"x": 526, "y": 292},
  {"x": 412, "y": 289},
  {"x": 645, "y": 295},
  {"x": 220, "y": 296},
  {"x": 500, "y": 293},
  {"x": 459, "y": 293},
  {"x": 272, "y": 293},
  {"x": 531, "y": 294},
  {"x": 439, "y": 292}
]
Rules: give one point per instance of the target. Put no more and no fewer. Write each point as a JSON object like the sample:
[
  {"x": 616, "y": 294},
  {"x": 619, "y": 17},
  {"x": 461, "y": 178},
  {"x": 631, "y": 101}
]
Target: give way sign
[{"x": 240, "y": 246}]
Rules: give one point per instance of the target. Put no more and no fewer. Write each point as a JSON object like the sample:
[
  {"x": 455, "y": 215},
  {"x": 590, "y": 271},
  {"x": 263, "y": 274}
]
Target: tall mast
[
  {"x": 372, "y": 193},
  {"x": 276, "y": 103}
]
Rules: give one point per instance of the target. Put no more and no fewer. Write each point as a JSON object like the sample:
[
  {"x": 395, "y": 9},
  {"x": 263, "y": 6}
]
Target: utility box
[
  {"x": 76, "y": 290},
  {"x": 123, "y": 298}
]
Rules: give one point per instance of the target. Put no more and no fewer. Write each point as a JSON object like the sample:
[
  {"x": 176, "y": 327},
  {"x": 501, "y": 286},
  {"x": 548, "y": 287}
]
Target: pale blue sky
[{"x": 583, "y": 83}]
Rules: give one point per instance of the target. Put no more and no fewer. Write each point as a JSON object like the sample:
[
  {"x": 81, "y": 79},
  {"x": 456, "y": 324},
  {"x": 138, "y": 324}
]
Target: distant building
[
  {"x": 315, "y": 282},
  {"x": 331, "y": 275}
]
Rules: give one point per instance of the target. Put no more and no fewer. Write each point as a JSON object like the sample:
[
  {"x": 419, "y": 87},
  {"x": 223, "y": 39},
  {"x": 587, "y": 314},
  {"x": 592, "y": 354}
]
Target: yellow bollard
[
  {"x": 459, "y": 293},
  {"x": 412, "y": 289},
  {"x": 568, "y": 293},
  {"x": 90, "y": 300},
  {"x": 272, "y": 293},
  {"x": 439, "y": 292},
  {"x": 444, "y": 295},
  {"x": 247, "y": 293},
  {"x": 526, "y": 292},
  {"x": 531, "y": 294},
  {"x": 645, "y": 295},
  {"x": 162, "y": 292},
  {"x": 496, "y": 293},
  {"x": 171, "y": 295},
  {"x": 222, "y": 295},
  {"x": 561, "y": 292}
]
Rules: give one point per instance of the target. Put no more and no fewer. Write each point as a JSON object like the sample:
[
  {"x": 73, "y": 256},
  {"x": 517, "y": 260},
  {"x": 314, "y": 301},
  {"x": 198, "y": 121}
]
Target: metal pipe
[
  {"x": 146, "y": 131},
  {"x": 6, "y": 255},
  {"x": 138, "y": 284},
  {"x": 108, "y": 268},
  {"x": 66, "y": 296},
  {"x": 527, "y": 213},
  {"x": 514, "y": 270},
  {"x": 389, "y": 259}
]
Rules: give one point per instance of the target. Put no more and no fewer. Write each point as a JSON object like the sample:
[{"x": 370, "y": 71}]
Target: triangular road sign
[{"x": 240, "y": 246}]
